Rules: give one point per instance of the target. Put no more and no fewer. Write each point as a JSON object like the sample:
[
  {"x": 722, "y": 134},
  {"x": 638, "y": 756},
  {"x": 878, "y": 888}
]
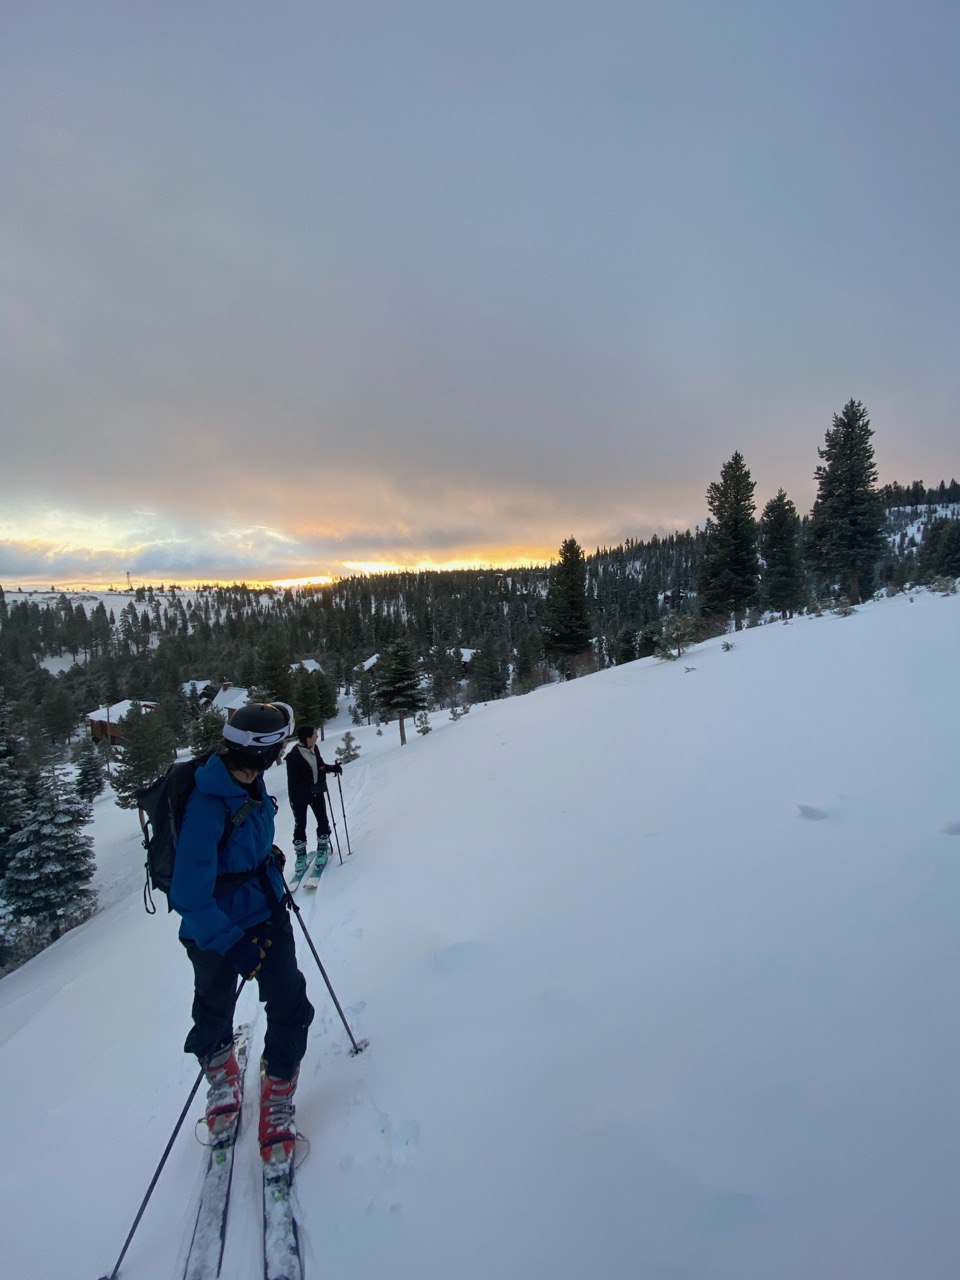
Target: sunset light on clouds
[{"x": 292, "y": 292}]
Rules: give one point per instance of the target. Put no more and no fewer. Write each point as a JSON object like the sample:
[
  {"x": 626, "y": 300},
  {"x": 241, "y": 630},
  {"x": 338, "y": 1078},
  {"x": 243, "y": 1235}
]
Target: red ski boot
[
  {"x": 278, "y": 1133},
  {"x": 224, "y": 1094}
]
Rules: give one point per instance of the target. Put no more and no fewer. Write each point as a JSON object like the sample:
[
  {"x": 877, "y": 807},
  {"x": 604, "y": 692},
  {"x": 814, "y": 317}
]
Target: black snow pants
[
  {"x": 317, "y": 804},
  {"x": 283, "y": 991}
]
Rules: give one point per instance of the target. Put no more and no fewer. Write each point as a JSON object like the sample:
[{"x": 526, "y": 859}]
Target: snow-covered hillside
[{"x": 659, "y": 970}]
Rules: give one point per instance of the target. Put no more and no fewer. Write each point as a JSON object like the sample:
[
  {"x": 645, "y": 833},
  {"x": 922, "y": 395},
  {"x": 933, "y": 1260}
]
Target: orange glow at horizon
[{"x": 499, "y": 560}]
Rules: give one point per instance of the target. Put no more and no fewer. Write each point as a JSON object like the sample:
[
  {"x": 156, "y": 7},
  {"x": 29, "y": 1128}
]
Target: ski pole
[
  {"x": 163, "y": 1160},
  {"x": 335, "y": 831},
  {"x": 357, "y": 1048},
  {"x": 344, "y": 812}
]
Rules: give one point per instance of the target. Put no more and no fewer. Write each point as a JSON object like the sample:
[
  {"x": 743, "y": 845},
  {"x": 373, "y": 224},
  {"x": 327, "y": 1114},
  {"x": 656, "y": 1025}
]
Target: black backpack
[{"x": 162, "y": 805}]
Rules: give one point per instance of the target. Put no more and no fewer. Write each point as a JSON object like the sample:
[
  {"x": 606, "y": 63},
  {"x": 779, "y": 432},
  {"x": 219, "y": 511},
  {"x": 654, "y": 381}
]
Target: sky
[{"x": 297, "y": 288}]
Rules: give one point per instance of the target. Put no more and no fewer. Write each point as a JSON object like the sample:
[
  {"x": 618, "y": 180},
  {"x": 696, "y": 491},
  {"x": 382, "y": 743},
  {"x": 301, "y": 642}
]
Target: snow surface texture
[{"x": 659, "y": 971}]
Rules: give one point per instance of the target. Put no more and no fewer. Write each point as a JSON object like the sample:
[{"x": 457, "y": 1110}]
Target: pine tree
[
  {"x": 730, "y": 569},
  {"x": 566, "y": 626},
  {"x": 326, "y": 697},
  {"x": 398, "y": 689},
  {"x": 194, "y": 706},
  {"x": 206, "y": 732},
  {"x": 146, "y": 751},
  {"x": 846, "y": 525},
  {"x": 90, "y": 780},
  {"x": 526, "y": 660},
  {"x": 940, "y": 552},
  {"x": 306, "y": 703},
  {"x": 314, "y": 698},
  {"x": 624, "y": 646},
  {"x": 174, "y": 710},
  {"x": 58, "y": 713},
  {"x": 488, "y": 671},
  {"x": 366, "y": 696},
  {"x": 47, "y": 881},
  {"x": 780, "y": 548},
  {"x": 444, "y": 667},
  {"x": 348, "y": 749},
  {"x": 12, "y": 783},
  {"x": 676, "y": 634},
  {"x": 274, "y": 677}
]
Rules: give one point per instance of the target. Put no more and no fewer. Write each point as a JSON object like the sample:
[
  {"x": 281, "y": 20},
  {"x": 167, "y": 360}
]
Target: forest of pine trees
[{"x": 520, "y": 628}]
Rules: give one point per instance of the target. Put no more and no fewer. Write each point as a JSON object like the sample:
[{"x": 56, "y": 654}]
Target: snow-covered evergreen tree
[
  {"x": 12, "y": 786},
  {"x": 398, "y": 684},
  {"x": 90, "y": 772},
  {"x": 47, "y": 884}
]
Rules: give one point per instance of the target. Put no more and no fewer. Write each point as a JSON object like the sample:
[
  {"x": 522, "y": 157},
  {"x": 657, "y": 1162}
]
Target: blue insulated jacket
[{"x": 216, "y": 923}]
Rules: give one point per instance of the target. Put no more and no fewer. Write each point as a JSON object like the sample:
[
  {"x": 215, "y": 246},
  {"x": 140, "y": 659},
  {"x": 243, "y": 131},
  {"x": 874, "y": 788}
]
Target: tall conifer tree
[
  {"x": 274, "y": 677},
  {"x": 398, "y": 688},
  {"x": 782, "y": 556},
  {"x": 730, "y": 569},
  {"x": 846, "y": 527},
  {"x": 147, "y": 749},
  {"x": 566, "y": 625}
]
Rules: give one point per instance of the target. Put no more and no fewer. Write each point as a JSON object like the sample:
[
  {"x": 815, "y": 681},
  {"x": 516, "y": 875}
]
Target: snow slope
[{"x": 659, "y": 970}]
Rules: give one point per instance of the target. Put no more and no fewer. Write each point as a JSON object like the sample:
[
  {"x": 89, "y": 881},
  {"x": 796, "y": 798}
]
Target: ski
[
  {"x": 312, "y": 878},
  {"x": 282, "y": 1259},
  {"x": 210, "y": 1228},
  {"x": 295, "y": 881}
]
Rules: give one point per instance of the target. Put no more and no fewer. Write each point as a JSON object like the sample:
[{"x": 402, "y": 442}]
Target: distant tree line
[
  {"x": 918, "y": 495},
  {"x": 523, "y": 626}
]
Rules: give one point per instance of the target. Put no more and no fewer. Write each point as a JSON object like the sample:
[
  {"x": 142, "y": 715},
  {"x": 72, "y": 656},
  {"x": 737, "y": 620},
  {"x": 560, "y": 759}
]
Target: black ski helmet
[{"x": 257, "y": 733}]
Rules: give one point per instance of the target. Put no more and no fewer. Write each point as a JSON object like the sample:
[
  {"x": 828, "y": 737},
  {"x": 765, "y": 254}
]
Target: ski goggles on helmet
[{"x": 263, "y": 737}]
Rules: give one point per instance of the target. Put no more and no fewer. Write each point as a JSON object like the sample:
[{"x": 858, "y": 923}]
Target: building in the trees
[{"x": 106, "y": 723}]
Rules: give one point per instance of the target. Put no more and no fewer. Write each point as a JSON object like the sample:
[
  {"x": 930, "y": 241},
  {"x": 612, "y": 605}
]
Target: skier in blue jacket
[{"x": 228, "y": 888}]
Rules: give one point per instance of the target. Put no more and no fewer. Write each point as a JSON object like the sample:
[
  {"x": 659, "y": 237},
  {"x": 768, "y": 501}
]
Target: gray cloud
[{"x": 431, "y": 282}]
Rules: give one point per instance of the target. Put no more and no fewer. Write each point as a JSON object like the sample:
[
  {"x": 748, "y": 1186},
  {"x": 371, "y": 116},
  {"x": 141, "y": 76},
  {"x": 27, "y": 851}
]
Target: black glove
[
  {"x": 248, "y": 955},
  {"x": 337, "y": 768},
  {"x": 279, "y": 857}
]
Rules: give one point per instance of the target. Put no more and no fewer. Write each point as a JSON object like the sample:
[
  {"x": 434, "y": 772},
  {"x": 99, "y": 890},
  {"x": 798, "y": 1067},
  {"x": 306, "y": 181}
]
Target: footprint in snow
[
  {"x": 459, "y": 958},
  {"x": 812, "y": 814}
]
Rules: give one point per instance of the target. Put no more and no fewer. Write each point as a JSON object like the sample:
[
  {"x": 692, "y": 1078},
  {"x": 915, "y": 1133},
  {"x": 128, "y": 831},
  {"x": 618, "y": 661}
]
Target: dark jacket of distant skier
[
  {"x": 304, "y": 782},
  {"x": 215, "y": 923}
]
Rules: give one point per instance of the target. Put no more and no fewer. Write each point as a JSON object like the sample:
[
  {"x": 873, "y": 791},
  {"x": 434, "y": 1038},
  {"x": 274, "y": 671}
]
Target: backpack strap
[
  {"x": 234, "y": 821},
  {"x": 233, "y": 880}
]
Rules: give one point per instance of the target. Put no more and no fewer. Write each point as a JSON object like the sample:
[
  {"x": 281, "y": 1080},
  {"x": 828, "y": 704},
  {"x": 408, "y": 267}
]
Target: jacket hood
[{"x": 215, "y": 779}]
